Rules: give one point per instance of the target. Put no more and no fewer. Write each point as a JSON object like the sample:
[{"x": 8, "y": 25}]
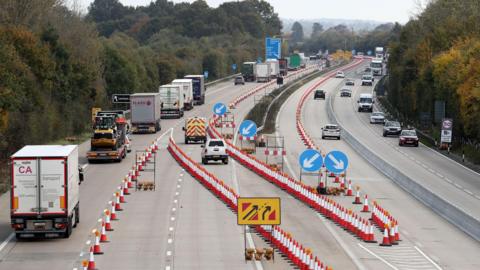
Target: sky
[{"x": 377, "y": 10}]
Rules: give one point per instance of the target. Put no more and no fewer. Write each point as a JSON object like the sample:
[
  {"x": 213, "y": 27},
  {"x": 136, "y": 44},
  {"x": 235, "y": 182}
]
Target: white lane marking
[
  {"x": 378, "y": 257},
  {"x": 448, "y": 180},
  {"x": 6, "y": 241},
  {"x": 440, "y": 175},
  {"x": 169, "y": 253},
  {"x": 178, "y": 186},
  {"x": 458, "y": 186},
  {"x": 172, "y": 218},
  {"x": 428, "y": 258},
  {"x": 468, "y": 191},
  {"x": 177, "y": 193},
  {"x": 171, "y": 229},
  {"x": 180, "y": 180},
  {"x": 258, "y": 264},
  {"x": 170, "y": 240},
  {"x": 167, "y": 267},
  {"x": 478, "y": 197},
  {"x": 175, "y": 201},
  {"x": 340, "y": 241},
  {"x": 174, "y": 209}
]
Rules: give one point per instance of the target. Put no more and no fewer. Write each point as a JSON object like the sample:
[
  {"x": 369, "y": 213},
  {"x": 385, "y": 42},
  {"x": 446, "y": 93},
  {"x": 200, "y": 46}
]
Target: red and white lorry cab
[{"x": 45, "y": 191}]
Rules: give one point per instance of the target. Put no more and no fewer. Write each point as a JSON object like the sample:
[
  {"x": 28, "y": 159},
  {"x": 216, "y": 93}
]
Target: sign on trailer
[
  {"x": 258, "y": 211},
  {"x": 121, "y": 98}
]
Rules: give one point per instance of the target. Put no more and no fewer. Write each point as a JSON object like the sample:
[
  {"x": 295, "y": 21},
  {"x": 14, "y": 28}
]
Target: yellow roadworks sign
[{"x": 258, "y": 211}]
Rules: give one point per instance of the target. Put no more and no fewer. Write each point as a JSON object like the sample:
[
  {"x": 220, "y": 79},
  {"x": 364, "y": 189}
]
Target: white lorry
[
  {"x": 377, "y": 66},
  {"x": 379, "y": 52},
  {"x": 145, "y": 108},
  {"x": 187, "y": 91},
  {"x": 45, "y": 191},
  {"x": 171, "y": 98},
  {"x": 274, "y": 67},
  {"x": 365, "y": 102},
  {"x": 262, "y": 72}
]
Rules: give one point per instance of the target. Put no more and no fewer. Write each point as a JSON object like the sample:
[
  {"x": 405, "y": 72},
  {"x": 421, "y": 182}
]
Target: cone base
[
  {"x": 385, "y": 245},
  {"x": 98, "y": 253},
  {"x": 109, "y": 230},
  {"x": 356, "y": 203}
]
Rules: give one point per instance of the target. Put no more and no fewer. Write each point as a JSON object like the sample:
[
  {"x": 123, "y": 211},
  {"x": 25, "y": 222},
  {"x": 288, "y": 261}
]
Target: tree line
[
  {"x": 57, "y": 63},
  {"x": 437, "y": 58}
]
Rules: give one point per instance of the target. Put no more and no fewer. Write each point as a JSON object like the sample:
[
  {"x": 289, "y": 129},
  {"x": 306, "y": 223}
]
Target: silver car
[
  {"x": 377, "y": 118},
  {"x": 331, "y": 131}
]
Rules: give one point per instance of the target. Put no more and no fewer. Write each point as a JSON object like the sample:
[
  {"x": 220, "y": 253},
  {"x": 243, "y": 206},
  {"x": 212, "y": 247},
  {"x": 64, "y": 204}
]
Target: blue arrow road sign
[
  {"x": 248, "y": 128},
  {"x": 234, "y": 67},
  {"x": 310, "y": 160},
  {"x": 219, "y": 109},
  {"x": 205, "y": 74},
  {"x": 336, "y": 162}
]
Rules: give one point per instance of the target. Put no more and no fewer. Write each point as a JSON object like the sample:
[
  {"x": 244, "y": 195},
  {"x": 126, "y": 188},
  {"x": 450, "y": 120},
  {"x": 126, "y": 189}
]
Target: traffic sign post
[
  {"x": 248, "y": 133},
  {"x": 205, "y": 74},
  {"x": 219, "y": 109},
  {"x": 311, "y": 162},
  {"x": 273, "y": 48},
  {"x": 234, "y": 67},
  {"x": 120, "y": 98},
  {"x": 336, "y": 162},
  {"x": 258, "y": 211}
]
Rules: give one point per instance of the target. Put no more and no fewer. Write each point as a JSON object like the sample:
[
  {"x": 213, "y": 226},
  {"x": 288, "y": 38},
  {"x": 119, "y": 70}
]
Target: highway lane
[
  {"x": 296, "y": 217},
  {"x": 439, "y": 167},
  {"x": 101, "y": 181},
  {"x": 420, "y": 227}
]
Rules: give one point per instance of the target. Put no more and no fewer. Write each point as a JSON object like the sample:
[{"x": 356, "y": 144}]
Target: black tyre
[
  {"x": 416, "y": 145},
  {"x": 323, "y": 137},
  {"x": 384, "y": 134},
  {"x": 68, "y": 232},
  {"x": 204, "y": 161},
  {"x": 225, "y": 161}
]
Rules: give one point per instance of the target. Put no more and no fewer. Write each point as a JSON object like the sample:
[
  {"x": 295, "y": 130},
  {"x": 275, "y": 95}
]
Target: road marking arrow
[
  {"x": 246, "y": 130},
  {"x": 308, "y": 163},
  {"x": 219, "y": 109},
  {"x": 339, "y": 165}
]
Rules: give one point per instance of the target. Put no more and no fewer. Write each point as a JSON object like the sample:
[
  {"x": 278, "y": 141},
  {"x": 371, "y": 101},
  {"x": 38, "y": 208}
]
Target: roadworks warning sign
[{"x": 258, "y": 211}]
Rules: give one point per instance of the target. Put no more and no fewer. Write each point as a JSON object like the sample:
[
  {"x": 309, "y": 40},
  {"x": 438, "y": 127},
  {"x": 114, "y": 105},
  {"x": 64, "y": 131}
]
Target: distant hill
[{"x": 357, "y": 25}]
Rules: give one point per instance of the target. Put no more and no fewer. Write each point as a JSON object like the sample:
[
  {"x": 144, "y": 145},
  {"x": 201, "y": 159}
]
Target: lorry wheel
[
  {"x": 186, "y": 141},
  {"x": 18, "y": 236},
  {"x": 77, "y": 215},
  {"x": 68, "y": 232}
]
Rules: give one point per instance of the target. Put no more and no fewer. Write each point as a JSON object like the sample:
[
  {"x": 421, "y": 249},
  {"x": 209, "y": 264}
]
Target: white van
[
  {"x": 365, "y": 102},
  {"x": 367, "y": 79}
]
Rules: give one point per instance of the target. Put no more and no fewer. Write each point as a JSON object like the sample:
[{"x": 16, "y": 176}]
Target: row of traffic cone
[
  {"x": 324, "y": 205},
  {"x": 110, "y": 214},
  {"x": 297, "y": 254}
]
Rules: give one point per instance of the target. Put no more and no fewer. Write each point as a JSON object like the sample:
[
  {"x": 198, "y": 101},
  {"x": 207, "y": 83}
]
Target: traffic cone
[
  {"x": 337, "y": 179},
  {"x": 386, "y": 239},
  {"x": 91, "y": 260},
  {"x": 139, "y": 164},
  {"x": 108, "y": 225},
  {"x": 392, "y": 234},
  {"x": 96, "y": 246},
  {"x": 103, "y": 235},
  {"x": 342, "y": 183},
  {"x": 370, "y": 235},
  {"x": 85, "y": 264},
  {"x": 349, "y": 190},
  {"x": 117, "y": 203},
  {"x": 113, "y": 214},
  {"x": 365, "y": 204},
  {"x": 122, "y": 197},
  {"x": 397, "y": 234},
  {"x": 125, "y": 186},
  {"x": 357, "y": 196},
  {"x": 137, "y": 170}
]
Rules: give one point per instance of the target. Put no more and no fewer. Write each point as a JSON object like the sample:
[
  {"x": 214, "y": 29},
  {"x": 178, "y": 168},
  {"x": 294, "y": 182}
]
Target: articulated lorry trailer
[
  {"x": 262, "y": 72},
  {"x": 199, "y": 89},
  {"x": 145, "y": 109},
  {"x": 187, "y": 91},
  {"x": 45, "y": 191},
  {"x": 248, "y": 71},
  {"x": 171, "y": 98}
]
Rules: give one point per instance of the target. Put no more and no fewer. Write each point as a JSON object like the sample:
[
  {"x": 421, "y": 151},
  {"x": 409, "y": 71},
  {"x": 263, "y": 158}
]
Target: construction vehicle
[
  {"x": 45, "y": 191},
  {"x": 195, "y": 129},
  {"x": 108, "y": 139}
]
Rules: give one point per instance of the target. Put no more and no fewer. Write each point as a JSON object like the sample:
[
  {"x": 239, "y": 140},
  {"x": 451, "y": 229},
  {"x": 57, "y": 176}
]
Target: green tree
[{"x": 297, "y": 33}]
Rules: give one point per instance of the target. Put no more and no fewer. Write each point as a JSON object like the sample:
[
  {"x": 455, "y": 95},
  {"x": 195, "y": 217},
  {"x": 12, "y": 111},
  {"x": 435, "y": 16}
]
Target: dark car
[
  {"x": 391, "y": 128},
  {"x": 239, "y": 80},
  {"x": 346, "y": 92},
  {"x": 319, "y": 94},
  {"x": 408, "y": 137},
  {"x": 350, "y": 82}
]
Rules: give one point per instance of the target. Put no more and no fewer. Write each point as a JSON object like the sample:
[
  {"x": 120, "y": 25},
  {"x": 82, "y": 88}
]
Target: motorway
[
  {"x": 427, "y": 236},
  {"x": 181, "y": 225}
]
